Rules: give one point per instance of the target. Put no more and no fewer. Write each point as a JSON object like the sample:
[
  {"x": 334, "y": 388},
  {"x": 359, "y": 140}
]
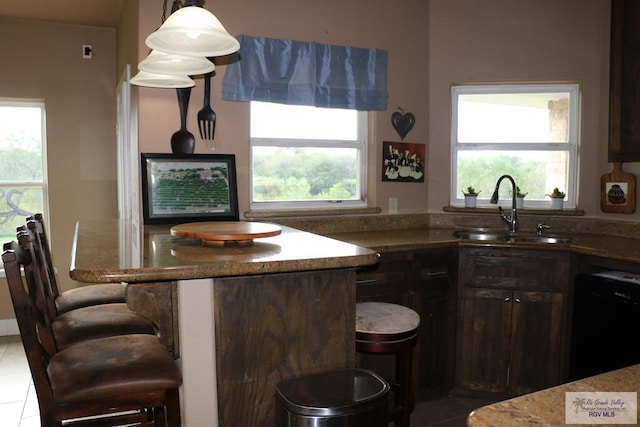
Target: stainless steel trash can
[{"x": 353, "y": 398}]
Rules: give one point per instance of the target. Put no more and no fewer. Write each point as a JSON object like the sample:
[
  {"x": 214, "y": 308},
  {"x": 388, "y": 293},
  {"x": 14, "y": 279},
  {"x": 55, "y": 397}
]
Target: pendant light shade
[
  {"x": 168, "y": 63},
  {"x": 193, "y": 31},
  {"x": 167, "y": 81}
]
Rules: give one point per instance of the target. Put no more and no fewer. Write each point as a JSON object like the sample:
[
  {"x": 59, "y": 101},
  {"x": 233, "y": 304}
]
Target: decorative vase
[
  {"x": 470, "y": 201},
  {"x": 519, "y": 202},
  {"x": 557, "y": 202}
]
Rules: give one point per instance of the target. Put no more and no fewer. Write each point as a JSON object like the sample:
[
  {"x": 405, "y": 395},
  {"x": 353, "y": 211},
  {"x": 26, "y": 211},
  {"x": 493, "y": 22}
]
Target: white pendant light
[
  {"x": 167, "y": 81},
  {"x": 193, "y": 31},
  {"x": 168, "y": 63}
]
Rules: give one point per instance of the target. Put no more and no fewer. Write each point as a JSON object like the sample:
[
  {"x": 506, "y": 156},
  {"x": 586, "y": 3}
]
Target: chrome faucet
[{"x": 511, "y": 220}]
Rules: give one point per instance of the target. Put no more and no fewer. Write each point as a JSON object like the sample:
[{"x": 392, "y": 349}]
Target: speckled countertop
[
  {"x": 547, "y": 407},
  {"x": 611, "y": 247},
  {"x": 104, "y": 252},
  {"x": 616, "y": 240}
]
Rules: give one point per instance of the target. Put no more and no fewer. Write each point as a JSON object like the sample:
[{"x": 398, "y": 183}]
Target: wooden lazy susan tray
[{"x": 222, "y": 233}]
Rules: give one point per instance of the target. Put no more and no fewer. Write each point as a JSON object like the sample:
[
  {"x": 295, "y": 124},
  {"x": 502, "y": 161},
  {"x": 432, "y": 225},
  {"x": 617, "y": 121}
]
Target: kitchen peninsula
[
  {"x": 249, "y": 316},
  {"x": 275, "y": 283}
]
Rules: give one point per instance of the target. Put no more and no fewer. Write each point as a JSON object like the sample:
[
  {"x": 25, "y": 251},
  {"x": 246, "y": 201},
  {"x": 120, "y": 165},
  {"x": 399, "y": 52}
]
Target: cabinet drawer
[
  {"x": 514, "y": 269},
  {"x": 435, "y": 268},
  {"x": 391, "y": 276},
  {"x": 393, "y": 268}
]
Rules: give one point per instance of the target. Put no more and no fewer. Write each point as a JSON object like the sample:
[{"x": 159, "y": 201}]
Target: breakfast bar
[{"x": 249, "y": 315}]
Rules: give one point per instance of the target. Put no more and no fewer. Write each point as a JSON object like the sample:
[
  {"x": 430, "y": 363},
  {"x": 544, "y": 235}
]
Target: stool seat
[
  {"x": 386, "y": 328},
  {"x": 385, "y": 318}
]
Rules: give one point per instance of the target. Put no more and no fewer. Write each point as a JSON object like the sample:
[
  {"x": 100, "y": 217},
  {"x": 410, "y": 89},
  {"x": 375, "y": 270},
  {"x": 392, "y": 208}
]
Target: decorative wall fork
[{"x": 206, "y": 116}]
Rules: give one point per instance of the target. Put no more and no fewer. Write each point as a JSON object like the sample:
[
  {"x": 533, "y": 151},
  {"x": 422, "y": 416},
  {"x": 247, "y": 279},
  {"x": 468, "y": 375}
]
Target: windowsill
[
  {"x": 310, "y": 213},
  {"x": 521, "y": 211}
]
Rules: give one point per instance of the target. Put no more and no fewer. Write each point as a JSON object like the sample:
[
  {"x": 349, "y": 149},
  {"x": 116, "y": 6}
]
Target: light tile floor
[{"x": 18, "y": 401}]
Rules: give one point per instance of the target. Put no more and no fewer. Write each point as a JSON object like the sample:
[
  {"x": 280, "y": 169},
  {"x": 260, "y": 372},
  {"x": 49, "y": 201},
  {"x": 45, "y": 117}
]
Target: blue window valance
[{"x": 301, "y": 73}]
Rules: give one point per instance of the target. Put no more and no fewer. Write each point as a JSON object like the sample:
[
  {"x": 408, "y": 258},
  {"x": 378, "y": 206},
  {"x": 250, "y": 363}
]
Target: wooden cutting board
[
  {"x": 221, "y": 233},
  {"x": 618, "y": 191}
]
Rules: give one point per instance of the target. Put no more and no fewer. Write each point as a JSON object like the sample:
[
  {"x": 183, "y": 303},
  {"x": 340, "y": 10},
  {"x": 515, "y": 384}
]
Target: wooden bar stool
[{"x": 385, "y": 328}]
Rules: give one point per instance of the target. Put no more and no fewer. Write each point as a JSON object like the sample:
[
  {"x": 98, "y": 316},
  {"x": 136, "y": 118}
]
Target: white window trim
[
  {"x": 361, "y": 143},
  {"x": 571, "y": 145},
  {"x": 45, "y": 175}
]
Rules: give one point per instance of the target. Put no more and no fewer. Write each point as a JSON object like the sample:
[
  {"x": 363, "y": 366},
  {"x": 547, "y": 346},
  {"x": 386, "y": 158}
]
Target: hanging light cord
[{"x": 164, "y": 11}]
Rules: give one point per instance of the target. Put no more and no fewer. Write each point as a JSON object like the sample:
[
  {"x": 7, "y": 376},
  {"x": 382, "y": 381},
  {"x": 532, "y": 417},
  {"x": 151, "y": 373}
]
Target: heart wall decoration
[{"x": 403, "y": 122}]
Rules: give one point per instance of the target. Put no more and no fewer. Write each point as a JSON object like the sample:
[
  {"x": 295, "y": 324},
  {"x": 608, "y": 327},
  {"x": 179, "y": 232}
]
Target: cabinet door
[
  {"x": 624, "y": 133},
  {"x": 535, "y": 356},
  {"x": 433, "y": 356},
  {"x": 483, "y": 351},
  {"x": 434, "y": 298}
]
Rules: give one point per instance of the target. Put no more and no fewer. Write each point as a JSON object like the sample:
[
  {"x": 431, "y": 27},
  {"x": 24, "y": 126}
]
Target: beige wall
[
  {"x": 506, "y": 40},
  {"x": 44, "y": 61}
]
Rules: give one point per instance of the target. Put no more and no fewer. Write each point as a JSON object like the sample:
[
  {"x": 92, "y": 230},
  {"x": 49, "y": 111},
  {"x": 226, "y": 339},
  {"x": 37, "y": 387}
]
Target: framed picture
[
  {"x": 403, "y": 162},
  {"x": 178, "y": 188}
]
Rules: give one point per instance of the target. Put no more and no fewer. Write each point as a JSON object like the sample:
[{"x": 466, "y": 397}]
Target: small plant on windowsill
[
  {"x": 470, "y": 191},
  {"x": 557, "y": 198},
  {"x": 470, "y": 197},
  {"x": 520, "y": 197}
]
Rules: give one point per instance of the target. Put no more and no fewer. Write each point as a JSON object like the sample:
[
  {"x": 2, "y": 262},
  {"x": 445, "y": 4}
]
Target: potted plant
[
  {"x": 557, "y": 198},
  {"x": 470, "y": 197},
  {"x": 520, "y": 197}
]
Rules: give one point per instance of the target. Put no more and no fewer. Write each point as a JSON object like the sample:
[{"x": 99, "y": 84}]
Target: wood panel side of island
[{"x": 274, "y": 327}]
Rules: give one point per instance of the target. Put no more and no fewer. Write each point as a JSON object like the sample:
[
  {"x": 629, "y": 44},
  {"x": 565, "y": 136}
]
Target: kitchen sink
[{"x": 509, "y": 237}]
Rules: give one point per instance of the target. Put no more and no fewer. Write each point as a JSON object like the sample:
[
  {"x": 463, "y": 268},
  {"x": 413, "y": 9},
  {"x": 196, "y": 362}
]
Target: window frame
[
  {"x": 571, "y": 146},
  {"x": 361, "y": 143},
  {"x": 44, "y": 184}
]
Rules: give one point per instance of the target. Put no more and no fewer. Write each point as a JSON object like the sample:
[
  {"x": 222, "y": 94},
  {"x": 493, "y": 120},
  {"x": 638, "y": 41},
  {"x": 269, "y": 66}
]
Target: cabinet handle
[
  {"x": 436, "y": 273},
  {"x": 517, "y": 300},
  {"x": 507, "y": 299},
  {"x": 365, "y": 282}
]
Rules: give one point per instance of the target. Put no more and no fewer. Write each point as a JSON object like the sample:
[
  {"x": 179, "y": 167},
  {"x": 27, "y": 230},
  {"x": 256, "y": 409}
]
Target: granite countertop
[
  {"x": 105, "y": 252},
  {"x": 547, "y": 407},
  {"x": 611, "y": 247}
]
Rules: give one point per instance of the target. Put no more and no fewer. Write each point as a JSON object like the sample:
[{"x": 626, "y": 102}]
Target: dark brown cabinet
[
  {"x": 624, "y": 85},
  {"x": 434, "y": 298},
  {"x": 512, "y": 319},
  {"x": 424, "y": 280}
]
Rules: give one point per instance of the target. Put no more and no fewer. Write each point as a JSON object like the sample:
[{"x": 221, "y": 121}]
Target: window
[
  {"x": 306, "y": 157},
  {"x": 529, "y": 131},
  {"x": 23, "y": 183}
]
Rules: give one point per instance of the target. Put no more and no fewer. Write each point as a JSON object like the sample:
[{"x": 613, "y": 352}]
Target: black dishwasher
[{"x": 606, "y": 318}]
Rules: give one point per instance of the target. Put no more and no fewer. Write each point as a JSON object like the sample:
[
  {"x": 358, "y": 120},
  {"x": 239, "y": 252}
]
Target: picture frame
[
  {"x": 403, "y": 161},
  {"x": 180, "y": 188}
]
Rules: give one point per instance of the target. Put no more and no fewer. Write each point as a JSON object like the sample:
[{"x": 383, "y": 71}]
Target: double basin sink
[{"x": 498, "y": 236}]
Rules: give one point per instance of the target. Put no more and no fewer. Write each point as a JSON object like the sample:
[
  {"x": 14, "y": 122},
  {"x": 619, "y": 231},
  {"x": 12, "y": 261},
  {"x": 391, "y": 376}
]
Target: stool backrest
[
  {"x": 35, "y": 329},
  {"x": 36, "y": 222},
  {"x": 46, "y": 274}
]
